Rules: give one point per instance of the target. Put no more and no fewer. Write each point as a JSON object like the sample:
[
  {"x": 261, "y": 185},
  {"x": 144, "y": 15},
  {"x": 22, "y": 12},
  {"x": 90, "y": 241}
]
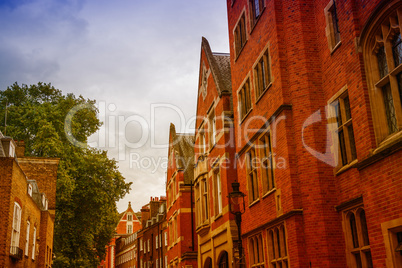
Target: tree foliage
[{"x": 88, "y": 182}]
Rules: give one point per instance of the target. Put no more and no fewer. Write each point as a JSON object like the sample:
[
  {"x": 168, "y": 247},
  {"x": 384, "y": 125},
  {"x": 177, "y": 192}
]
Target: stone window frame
[
  {"x": 389, "y": 231},
  {"x": 278, "y": 252},
  {"x": 202, "y": 150},
  {"x": 16, "y": 227},
  {"x": 256, "y": 251},
  {"x": 356, "y": 237},
  {"x": 252, "y": 176},
  {"x": 344, "y": 150},
  {"x": 245, "y": 104},
  {"x": 380, "y": 33},
  {"x": 34, "y": 243},
  {"x": 262, "y": 66},
  {"x": 240, "y": 35},
  {"x": 254, "y": 18},
  {"x": 332, "y": 26},
  {"x": 267, "y": 163},
  {"x": 27, "y": 238}
]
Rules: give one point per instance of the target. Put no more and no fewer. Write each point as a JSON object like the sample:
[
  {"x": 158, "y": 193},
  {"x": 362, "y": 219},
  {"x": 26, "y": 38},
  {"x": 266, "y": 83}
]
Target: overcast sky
[{"x": 138, "y": 59}]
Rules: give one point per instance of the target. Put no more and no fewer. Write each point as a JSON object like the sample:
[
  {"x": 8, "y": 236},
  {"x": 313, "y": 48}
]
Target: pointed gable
[{"x": 183, "y": 149}]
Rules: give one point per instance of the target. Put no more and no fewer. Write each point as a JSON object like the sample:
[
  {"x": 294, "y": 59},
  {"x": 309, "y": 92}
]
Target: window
[
  {"x": 157, "y": 263},
  {"x": 262, "y": 74},
  {"x": 256, "y": 8},
  {"x": 27, "y": 238},
  {"x": 166, "y": 240},
  {"x": 224, "y": 260},
  {"x": 217, "y": 192},
  {"x": 240, "y": 36},
  {"x": 212, "y": 129},
  {"x": 198, "y": 209},
  {"x": 201, "y": 141},
  {"x": 29, "y": 189},
  {"x": 277, "y": 250},
  {"x": 252, "y": 175},
  {"x": 15, "y": 235},
  {"x": 141, "y": 244},
  {"x": 256, "y": 249},
  {"x": 205, "y": 200},
  {"x": 357, "y": 240},
  {"x": 166, "y": 262},
  {"x": 392, "y": 232},
  {"x": 332, "y": 29},
  {"x": 244, "y": 99},
  {"x": 130, "y": 217},
  {"x": 382, "y": 50},
  {"x": 344, "y": 131},
  {"x": 34, "y": 244},
  {"x": 267, "y": 165},
  {"x": 129, "y": 228},
  {"x": 149, "y": 248},
  {"x": 156, "y": 242}
]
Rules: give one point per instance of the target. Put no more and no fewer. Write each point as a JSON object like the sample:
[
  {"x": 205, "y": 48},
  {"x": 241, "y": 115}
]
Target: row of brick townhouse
[
  {"x": 305, "y": 115},
  {"x": 27, "y": 208}
]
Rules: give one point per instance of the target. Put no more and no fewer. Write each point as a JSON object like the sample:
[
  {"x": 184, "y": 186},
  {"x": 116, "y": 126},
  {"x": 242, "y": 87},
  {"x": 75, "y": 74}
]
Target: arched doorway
[{"x": 223, "y": 260}]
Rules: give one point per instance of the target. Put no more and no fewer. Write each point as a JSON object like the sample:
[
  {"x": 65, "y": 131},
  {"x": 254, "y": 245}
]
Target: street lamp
[{"x": 237, "y": 207}]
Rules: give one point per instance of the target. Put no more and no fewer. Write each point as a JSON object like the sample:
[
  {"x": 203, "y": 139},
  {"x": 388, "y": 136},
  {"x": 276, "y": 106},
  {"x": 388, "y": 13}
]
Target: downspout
[{"x": 192, "y": 218}]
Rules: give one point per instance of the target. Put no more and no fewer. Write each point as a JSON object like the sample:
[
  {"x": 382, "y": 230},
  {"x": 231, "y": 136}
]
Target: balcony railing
[{"x": 16, "y": 253}]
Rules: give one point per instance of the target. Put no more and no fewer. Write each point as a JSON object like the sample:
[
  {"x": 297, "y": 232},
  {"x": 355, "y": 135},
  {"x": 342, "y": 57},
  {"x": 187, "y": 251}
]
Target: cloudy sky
[{"x": 138, "y": 59}]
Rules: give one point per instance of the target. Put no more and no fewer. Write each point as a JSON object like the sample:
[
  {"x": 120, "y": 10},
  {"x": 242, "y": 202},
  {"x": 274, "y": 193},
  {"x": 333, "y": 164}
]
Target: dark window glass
[
  {"x": 389, "y": 109},
  {"x": 334, "y": 17},
  {"x": 399, "y": 78},
  {"x": 382, "y": 62},
  {"x": 353, "y": 231},
  {"x": 364, "y": 228},
  {"x": 343, "y": 147},
  {"x": 352, "y": 142},
  {"x": 397, "y": 49}
]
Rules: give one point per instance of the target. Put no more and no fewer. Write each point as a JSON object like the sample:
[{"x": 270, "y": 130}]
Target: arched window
[
  {"x": 382, "y": 51},
  {"x": 277, "y": 251},
  {"x": 223, "y": 260}
]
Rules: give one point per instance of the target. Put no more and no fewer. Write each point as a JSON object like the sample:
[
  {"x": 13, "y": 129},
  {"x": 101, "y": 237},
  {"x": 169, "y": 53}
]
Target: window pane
[
  {"x": 342, "y": 147},
  {"x": 368, "y": 259},
  {"x": 353, "y": 231},
  {"x": 334, "y": 17},
  {"x": 364, "y": 228},
  {"x": 389, "y": 109},
  {"x": 358, "y": 260},
  {"x": 382, "y": 62},
  {"x": 397, "y": 49},
  {"x": 399, "y": 78},
  {"x": 347, "y": 108}
]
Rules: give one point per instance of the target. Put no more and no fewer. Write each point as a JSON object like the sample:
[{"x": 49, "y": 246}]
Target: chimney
[{"x": 20, "y": 150}]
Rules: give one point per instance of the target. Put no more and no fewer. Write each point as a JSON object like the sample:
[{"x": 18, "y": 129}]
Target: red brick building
[
  {"x": 214, "y": 168},
  {"x": 152, "y": 238},
  {"x": 182, "y": 244},
  {"x": 27, "y": 210},
  {"x": 128, "y": 224},
  {"x": 317, "y": 91}
]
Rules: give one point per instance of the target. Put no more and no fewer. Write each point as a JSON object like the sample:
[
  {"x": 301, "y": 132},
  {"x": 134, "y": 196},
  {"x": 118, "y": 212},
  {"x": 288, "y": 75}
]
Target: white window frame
[
  {"x": 27, "y": 238},
  {"x": 34, "y": 244},
  {"x": 16, "y": 227},
  {"x": 30, "y": 189},
  {"x": 156, "y": 242}
]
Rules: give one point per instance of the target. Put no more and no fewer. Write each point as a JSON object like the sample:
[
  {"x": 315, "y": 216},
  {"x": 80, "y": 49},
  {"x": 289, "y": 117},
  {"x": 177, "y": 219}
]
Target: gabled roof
[
  {"x": 220, "y": 68},
  {"x": 183, "y": 144}
]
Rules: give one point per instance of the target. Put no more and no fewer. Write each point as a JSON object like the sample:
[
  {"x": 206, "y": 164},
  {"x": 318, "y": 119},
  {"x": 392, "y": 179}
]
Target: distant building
[
  {"x": 182, "y": 240},
  {"x": 27, "y": 208},
  {"x": 152, "y": 238},
  {"x": 127, "y": 225}
]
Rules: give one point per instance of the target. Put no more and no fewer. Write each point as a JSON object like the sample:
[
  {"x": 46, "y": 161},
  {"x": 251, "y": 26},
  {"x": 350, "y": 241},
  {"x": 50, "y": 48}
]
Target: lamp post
[{"x": 237, "y": 207}]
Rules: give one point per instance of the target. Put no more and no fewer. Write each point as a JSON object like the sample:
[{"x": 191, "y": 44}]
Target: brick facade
[
  {"x": 315, "y": 200},
  {"x": 182, "y": 242},
  {"x": 20, "y": 188}
]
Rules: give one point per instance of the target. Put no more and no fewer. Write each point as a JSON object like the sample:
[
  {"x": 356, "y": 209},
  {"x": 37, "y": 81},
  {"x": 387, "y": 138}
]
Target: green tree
[{"x": 88, "y": 182}]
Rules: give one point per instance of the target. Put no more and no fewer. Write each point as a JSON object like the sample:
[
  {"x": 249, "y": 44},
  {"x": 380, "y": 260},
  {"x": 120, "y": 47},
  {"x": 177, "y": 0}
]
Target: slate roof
[
  {"x": 220, "y": 68},
  {"x": 183, "y": 144}
]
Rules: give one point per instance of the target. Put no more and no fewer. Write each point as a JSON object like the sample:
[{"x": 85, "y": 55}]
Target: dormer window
[
  {"x": 29, "y": 189},
  {"x": 129, "y": 217}
]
